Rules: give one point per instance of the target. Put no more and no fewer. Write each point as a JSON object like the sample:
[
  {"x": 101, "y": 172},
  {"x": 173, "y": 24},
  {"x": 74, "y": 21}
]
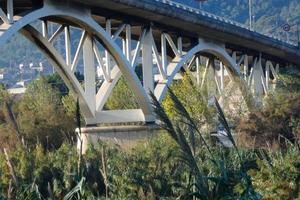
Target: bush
[
  {"x": 271, "y": 126},
  {"x": 42, "y": 118},
  {"x": 278, "y": 174},
  {"x": 192, "y": 99}
]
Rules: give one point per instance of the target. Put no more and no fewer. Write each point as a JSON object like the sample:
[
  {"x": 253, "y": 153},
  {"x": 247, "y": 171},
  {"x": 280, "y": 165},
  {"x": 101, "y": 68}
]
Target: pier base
[{"x": 127, "y": 137}]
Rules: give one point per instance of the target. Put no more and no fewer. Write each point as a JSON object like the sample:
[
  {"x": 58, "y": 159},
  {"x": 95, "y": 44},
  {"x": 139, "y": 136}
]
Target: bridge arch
[
  {"x": 84, "y": 20},
  {"x": 204, "y": 47}
]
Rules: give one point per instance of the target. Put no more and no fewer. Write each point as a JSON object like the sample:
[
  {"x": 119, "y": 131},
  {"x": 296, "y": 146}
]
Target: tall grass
[
  {"x": 205, "y": 186},
  {"x": 188, "y": 167}
]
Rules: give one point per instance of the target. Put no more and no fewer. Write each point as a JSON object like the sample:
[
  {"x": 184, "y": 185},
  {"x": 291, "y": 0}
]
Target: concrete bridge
[{"x": 164, "y": 36}]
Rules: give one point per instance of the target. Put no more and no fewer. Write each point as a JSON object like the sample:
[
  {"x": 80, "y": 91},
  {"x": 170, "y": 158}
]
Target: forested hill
[{"x": 270, "y": 15}]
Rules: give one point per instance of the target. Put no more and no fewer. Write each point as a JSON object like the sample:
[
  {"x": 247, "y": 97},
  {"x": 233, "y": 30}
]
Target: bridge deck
[{"x": 189, "y": 23}]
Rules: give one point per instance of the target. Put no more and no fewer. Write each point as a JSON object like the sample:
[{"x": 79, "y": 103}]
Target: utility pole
[
  {"x": 250, "y": 15},
  {"x": 200, "y": 3}
]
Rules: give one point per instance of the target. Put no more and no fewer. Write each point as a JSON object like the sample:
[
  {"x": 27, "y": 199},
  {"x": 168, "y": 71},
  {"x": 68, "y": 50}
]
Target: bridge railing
[{"x": 219, "y": 18}]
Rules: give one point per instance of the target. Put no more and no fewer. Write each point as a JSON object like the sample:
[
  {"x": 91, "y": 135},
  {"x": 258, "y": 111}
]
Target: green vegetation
[
  {"x": 155, "y": 171},
  {"x": 122, "y": 97},
  {"x": 278, "y": 121},
  {"x": 41, "y": 116},
  {"x": 39, "y": 160},
  {"x": 8, "y": 127}
]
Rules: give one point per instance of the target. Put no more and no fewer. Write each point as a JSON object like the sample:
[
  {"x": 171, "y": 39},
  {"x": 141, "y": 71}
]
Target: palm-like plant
[{"x": 77, "y": 192}]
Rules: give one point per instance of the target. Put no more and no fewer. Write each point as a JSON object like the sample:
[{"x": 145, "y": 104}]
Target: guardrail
[{"x": 219, "y": 18}]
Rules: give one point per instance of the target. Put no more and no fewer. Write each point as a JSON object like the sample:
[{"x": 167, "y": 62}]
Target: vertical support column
[
  {"x": 222, "y": 68},
  {"x": 124, "y": 46},
  {"x": 68, "y": 46},
  {"x": 107, "y": 55},
  {"x": 267, "y": 75},
  {"x": 277, "y": 69},
  {"x": 211, "y": 81},
  {"x": 10, "y": 11},
  {"x": 147, "y": 61},
  {"x": 128, "y": 43},
  {"x": 298, "y": 36},
  {"x": 246, "y": 67},
  {"x": 179, "y": 45},
  {"x": 164, "y": 52},
  {"x": 205, "y": 73},
  {"x": 45, "y": 29},
  {"x": 250, "y": 77},
  {"x": 250, "y": 15},
  {"x": 198, "y": 69},
  {"x": 258, "y": 88},
  {"x": 89, "y": 72},
  {"x": 234, "y": 56}
]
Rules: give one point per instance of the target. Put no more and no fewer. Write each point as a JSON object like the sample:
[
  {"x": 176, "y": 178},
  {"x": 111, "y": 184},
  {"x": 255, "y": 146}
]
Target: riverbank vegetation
[{"x": 39, "y": 160}]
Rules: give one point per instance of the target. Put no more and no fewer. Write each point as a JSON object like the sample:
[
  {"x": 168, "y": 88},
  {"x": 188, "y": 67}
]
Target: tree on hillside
[{"x": 57, "y": 83}]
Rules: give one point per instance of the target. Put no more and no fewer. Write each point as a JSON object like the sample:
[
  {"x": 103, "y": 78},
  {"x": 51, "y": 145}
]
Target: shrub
[
  {"x": 42, "y": 118},
  {"x": 271, "y": 126}
]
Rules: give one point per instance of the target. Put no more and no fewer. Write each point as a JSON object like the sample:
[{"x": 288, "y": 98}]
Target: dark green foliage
[
  {"x": 149, "y": 171},
  {"x": 278, "y": 177},
  {"x": 157, "y": 170},
  {"x": 289, "y": 80},
  {"x": 121, "y": 97},
  {"x": 40, "y": 172},
  {"x": 57, "y": 83},
  {"x": 41, "y": 116}
]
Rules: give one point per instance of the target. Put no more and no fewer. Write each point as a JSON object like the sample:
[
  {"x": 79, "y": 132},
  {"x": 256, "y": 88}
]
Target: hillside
[{"x": 269, "y": 15}]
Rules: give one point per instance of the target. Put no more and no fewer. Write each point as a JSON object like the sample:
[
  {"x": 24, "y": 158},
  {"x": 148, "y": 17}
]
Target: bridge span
[
  {"x": 174, "y": 17},
  {"x": 163, "y": 37}
]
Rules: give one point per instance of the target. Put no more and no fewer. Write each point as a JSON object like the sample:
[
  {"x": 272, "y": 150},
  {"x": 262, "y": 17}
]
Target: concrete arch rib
[
  {"x": 211, "y": 48},
  {"x": 83, "y": 19},
  {"x": 58, "y": 62}
]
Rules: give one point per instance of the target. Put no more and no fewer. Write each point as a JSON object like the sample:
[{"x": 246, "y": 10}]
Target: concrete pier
[{"x": 125, "y": 136}]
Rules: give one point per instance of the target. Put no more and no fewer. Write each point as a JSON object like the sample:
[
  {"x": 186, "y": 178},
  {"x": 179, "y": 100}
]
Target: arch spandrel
[
  {"x": 84, "y": 20},
  {"x": 203, "y": 47}
]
